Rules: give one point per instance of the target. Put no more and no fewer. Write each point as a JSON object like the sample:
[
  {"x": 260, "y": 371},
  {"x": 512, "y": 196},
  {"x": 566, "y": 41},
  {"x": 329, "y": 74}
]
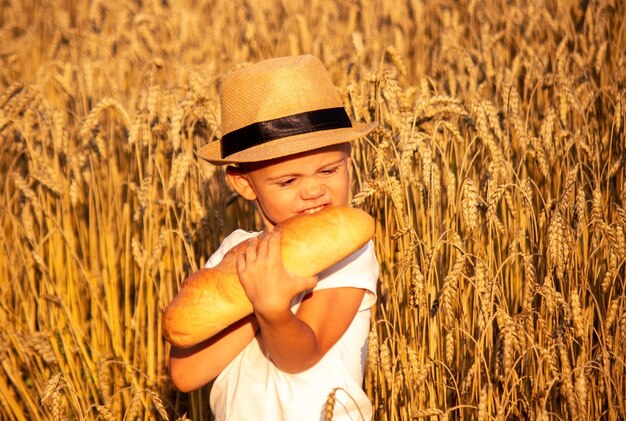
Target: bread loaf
[{"x": 212, "y": 299}]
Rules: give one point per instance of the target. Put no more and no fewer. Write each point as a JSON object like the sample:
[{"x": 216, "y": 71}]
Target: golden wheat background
[{"x": 496, "y": 177}]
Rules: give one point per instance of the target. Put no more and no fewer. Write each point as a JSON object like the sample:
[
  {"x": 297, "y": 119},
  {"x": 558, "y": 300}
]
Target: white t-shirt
[{"x": 251, "y": 387}]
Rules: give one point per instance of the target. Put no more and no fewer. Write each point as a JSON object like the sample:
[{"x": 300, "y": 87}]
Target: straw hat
[{"x": 280, "y": 107}]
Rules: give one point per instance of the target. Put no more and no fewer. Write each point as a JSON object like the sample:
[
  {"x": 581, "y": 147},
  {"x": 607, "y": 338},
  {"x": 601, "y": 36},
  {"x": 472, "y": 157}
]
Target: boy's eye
[
  {"x": 286, "y": 183},
  {"x": 328, "y": 171}
]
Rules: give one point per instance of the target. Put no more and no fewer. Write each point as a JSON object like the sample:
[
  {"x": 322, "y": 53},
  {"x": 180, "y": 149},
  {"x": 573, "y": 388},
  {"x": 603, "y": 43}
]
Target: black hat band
[{"x": 265, "y": 131}]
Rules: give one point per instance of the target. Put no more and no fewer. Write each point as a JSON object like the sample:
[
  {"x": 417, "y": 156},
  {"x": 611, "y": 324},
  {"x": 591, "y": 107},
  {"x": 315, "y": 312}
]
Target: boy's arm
[
  {"x": 191, "y": 368},
  {"x": 295, "y": 342}
]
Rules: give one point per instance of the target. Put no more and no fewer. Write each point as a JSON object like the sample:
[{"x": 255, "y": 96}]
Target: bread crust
[{"x": 212, "y": 299}]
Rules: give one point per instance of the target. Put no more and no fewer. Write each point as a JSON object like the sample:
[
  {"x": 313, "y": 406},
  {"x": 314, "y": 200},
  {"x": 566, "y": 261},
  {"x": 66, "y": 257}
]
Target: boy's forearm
[
  {"x": 193, "y": 367},
  {"x": 291, "y": 343}
]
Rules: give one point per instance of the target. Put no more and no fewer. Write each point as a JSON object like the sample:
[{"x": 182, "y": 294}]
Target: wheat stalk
[{"x": 470, "y": 202}]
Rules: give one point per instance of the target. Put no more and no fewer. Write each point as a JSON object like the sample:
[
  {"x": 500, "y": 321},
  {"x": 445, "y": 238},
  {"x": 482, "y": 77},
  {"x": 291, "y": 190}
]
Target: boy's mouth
[{"x": 313, "y": 210}]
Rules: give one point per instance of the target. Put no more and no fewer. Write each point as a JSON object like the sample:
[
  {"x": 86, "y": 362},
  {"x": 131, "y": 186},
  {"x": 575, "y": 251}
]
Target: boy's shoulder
[
  {"x": 228, "y": 243},
  {"x": 237, "y": 237}
]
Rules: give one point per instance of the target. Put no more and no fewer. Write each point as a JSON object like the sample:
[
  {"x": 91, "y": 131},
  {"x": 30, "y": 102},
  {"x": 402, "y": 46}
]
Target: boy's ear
[{"x": 241, "y": 183}]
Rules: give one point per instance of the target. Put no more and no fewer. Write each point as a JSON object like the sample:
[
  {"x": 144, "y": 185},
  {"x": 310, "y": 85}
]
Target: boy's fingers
[
  {"x": 274, "y": 245},
  {"x": 310, "y": 282},
  {"x": 304, "y": 283},
  {"x": 262, "y": 245},
  {"x": 241, "y": 263},
  {"x": 251, "y": 250}
]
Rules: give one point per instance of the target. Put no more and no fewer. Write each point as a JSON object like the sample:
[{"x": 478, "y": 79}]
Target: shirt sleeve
[
  {"x": 359, "y": 270},
  {"x": 229, "y": 242}
]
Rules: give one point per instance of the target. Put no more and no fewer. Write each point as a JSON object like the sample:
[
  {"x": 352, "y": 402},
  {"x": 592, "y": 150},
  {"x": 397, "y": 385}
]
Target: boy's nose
[{"x": 312, "y": 190}]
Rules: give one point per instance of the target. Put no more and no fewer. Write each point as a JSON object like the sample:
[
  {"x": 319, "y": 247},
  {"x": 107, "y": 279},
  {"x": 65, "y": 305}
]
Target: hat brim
[{"x": 286, "y": 146}]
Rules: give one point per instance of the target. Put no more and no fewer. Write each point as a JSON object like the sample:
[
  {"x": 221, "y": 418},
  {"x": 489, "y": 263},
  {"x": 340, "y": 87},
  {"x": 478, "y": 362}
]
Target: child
[{"x": 285, "y": 141}]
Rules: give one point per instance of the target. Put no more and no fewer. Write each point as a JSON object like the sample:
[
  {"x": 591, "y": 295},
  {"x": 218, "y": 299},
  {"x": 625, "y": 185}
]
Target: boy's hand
[{"x": 268, "y": 285}]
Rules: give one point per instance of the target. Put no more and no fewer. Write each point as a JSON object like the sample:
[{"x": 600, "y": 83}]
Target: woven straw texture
[{"x": 277, "y": 88}]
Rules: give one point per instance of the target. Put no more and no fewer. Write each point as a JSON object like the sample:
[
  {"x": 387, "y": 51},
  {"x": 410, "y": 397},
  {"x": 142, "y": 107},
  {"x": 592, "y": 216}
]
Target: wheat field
[{"x": 496, "y": 178}]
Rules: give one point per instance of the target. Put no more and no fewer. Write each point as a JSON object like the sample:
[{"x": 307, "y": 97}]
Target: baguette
[{"x": 212, "y": 299}]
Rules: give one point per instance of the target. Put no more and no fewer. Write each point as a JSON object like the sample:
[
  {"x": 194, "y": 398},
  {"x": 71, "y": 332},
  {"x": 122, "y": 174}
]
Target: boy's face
[{"x": 301, "y": 183}]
